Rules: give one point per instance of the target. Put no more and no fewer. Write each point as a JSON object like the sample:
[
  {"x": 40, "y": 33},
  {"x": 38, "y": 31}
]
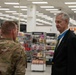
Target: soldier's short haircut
[{"x": 7, "y": 26}]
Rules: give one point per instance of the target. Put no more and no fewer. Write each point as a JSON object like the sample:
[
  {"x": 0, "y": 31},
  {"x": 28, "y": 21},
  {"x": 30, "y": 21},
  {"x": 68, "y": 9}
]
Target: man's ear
[
  {"x": 12, "y": 32},
  {"x": 66, "y": 21}
]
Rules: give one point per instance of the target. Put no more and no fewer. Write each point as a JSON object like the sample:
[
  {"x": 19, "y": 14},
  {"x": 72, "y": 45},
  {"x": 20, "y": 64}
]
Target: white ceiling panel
[{"x": 58, "y": 4}]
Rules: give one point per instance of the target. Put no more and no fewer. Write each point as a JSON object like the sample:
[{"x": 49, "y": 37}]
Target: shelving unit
[
  {"x": 26, "y": 40},
  {"x": 38, "y": 52},
  {"x": 50, "y": 47},
  {"x": 27, "y": 45}
]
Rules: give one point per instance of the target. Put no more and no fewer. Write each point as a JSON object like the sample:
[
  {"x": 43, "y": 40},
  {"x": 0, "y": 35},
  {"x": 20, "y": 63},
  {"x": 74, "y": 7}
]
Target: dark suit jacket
[{"x": 64, "y": 60}]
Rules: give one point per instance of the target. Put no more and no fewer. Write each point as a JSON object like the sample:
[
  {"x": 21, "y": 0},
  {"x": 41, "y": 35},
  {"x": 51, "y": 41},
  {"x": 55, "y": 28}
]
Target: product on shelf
[{"x": 37, "y": 61}]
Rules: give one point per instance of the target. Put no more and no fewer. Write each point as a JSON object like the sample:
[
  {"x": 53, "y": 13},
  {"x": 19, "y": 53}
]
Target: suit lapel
[{"x": 62, "y": 43}]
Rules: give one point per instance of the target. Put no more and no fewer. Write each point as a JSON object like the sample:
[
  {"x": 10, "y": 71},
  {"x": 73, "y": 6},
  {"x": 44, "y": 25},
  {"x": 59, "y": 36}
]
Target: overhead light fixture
[
  {"x": 11, "y": 16},
  {"x": 10, "y": 11},
  {"x": 22, "y": 22},
  {"x": 22, "y": 19},
  {"x": 5, "y": 18},
  {"x": 55, "y": 11},
  {"x": 72, "y": 21},
  {"x": 4, "y": 9},
  {"x": 51, "y": 9},
  {"x": 70, "y": 2},
  {"x": 17, "y": 13},
  {"x": 4, "y": 15},
  {"x": 20, "y": 6},
  {"x": 12, "y": 3},
  {"x": 73, "y": 9},
  {"x": 25, "y": 16},
  {"x": 39, "y": 23},
  {"x": 47, "y": 6},
  {"x": 40, "y": 2},
  {"x": 72, "y": 6},
  {"x": 39, "y": 20},
  {"x": 24, "y": 9}
]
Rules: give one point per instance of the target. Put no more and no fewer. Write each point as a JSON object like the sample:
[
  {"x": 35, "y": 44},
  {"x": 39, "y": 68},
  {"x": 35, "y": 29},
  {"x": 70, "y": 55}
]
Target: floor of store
[{"x": 29, "y": 72}]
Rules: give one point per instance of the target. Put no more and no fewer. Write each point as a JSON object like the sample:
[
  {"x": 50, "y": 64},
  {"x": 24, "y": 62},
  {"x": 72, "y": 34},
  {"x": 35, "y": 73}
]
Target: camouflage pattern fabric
[{"x": 12, "y": 58}]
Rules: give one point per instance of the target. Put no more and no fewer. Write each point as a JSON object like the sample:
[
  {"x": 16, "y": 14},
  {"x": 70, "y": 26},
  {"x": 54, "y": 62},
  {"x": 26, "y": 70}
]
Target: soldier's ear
[{"x": 12, "y": 32}]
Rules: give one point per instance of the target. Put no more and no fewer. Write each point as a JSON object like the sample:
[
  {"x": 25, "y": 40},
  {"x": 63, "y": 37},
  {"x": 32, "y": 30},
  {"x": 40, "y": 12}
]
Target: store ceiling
[{"x": 57, "y": 4}]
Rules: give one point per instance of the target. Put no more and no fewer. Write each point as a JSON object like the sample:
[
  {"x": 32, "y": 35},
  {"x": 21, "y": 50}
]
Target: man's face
[{"x": 61, "y": 24}]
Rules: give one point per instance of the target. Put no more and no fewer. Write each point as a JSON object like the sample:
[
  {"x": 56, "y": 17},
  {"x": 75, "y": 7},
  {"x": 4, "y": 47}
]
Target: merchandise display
[
  {"x": 26, "y": 40},
  {"x": 50, "y": 47},
  {"x": 38, "y": 51}
]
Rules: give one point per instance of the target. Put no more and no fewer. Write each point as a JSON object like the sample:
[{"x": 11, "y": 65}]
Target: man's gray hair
[{"x": 65, "y": 16}]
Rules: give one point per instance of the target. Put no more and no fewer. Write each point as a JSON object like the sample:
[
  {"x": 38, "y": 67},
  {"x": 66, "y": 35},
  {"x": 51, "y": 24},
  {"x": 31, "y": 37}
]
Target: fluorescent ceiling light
[
  {"x": 70, "y": 2},
  {"x": 4, "y": 15},
  {"x": 22, "y": 19},
  {"x": 39, "y": 20},
  {"x": 5, "y": 18},
  {"x": 20, "y": 6},
  {"x": 25, "y": 16},
  {"x": 12, "y": 3},
  {"x": 22, "y": 22},
  {"x": 55, "y": 11},
  {"x": 10, "y": 11},
  {"x": 17, "y": 18},
  {"x": 71, "y": 6},
  {"x": 26, "y": 20},
  {"x": 17, "y": 13},
  {"x": 24, "y": 9},
  {"x": 39, "y": 23},
  {"x": 44, "y": 16},
  {"x": 73, "y": 9},
  {"x": 40, "y": 2},
  {"x": 11, "y": 16},
  {"x": 72, "y": 21},
  {"x": 51, "y": 9},
  {"x": 47, "y": 6},
  {"x": 4, "y": 9}
]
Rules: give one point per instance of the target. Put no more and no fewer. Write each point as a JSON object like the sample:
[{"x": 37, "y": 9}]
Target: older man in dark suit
[{"x": 64, "y": 60}]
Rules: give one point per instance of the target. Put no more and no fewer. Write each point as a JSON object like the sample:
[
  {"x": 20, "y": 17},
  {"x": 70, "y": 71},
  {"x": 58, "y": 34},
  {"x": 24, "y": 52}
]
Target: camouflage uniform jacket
[{"x": 12, "y": 58}]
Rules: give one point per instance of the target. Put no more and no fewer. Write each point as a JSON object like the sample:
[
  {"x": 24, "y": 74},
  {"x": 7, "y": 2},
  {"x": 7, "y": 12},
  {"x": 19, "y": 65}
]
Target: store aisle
[{"x": 29, "y": 72}]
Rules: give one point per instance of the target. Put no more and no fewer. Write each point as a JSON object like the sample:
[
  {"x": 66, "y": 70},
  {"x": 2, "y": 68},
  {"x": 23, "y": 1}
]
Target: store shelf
[
  {"x": 26, "y": 40},
  {"x": 50, "y": 47},
  {"x": 38, "y": 52},
  {"x": 38, "y": 67}
]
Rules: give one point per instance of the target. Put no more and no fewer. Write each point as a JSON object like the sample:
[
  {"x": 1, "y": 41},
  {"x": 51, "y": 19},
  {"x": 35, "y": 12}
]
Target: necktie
[
  {"x": 57, "y": 44},
  {"x": 59, "y": 37}
]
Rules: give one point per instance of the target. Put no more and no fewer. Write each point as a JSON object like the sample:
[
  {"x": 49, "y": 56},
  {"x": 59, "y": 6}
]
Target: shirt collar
[
  {"x": 64, "y": 31},
  {"x": 62, "y": 34}
]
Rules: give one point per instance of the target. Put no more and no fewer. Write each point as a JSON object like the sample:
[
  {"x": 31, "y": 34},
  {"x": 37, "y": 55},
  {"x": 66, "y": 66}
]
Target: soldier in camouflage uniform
[{"x": 12, "y": 55}]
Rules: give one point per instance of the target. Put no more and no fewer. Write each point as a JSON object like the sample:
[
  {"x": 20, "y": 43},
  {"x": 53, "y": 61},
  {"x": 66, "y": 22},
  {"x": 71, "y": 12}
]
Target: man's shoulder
[{"x": 9, "y": 43}]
